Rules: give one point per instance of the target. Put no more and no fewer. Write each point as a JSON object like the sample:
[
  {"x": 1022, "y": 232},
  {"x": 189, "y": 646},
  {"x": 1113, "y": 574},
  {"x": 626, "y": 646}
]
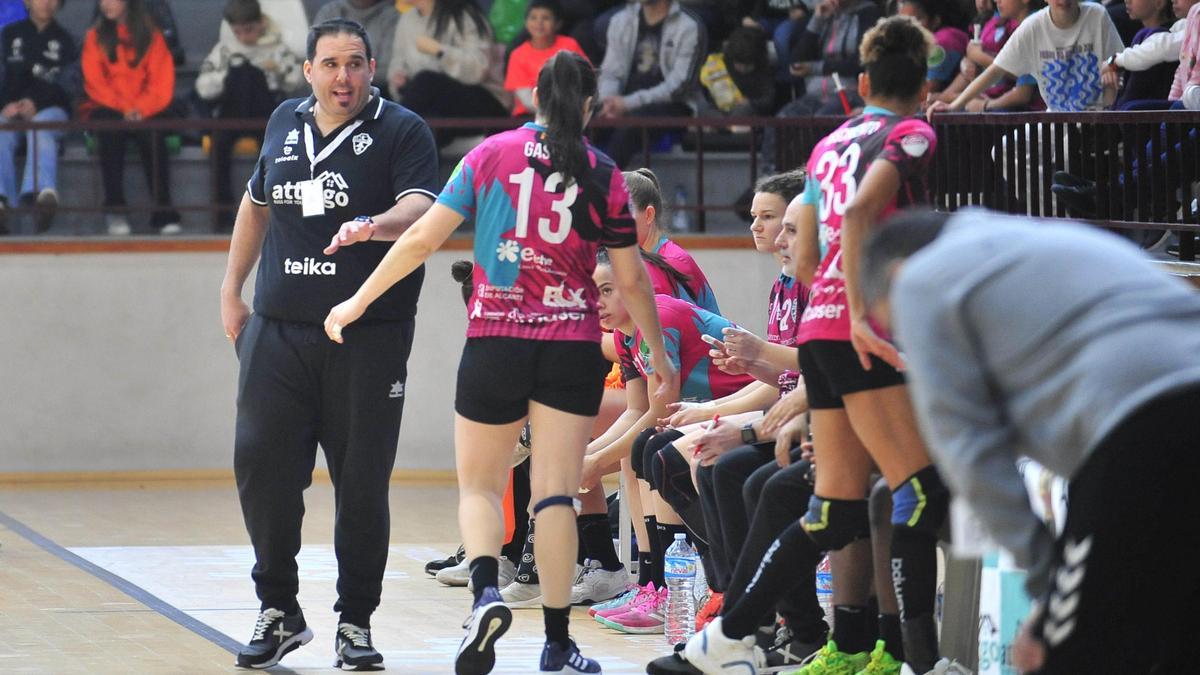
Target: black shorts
[
  {"x": 499, "y": 376},
  {"x": 831, "y": 370}
]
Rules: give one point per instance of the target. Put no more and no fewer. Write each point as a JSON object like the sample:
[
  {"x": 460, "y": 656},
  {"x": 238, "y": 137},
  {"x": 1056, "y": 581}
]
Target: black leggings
[
  {"x": 434, "y": 95},
  {"x": 152, "y": 147}
]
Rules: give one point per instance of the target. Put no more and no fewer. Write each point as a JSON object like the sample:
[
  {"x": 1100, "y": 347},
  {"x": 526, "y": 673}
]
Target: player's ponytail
[
  {"x": 461, "y": 271},
  {"x": 564, "y": 83}
]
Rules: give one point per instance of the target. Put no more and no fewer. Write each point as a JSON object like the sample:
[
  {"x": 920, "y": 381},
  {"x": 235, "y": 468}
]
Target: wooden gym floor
[{"x": 153, "y": 577}]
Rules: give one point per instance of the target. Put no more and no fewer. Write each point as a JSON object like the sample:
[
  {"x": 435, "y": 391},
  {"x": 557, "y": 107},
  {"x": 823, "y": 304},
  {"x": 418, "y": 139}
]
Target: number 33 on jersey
[{"x": 536, "y": 235}]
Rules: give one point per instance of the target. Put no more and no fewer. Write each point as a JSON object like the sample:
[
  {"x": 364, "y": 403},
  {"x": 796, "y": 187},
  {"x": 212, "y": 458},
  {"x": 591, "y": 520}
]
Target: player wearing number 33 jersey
[
  {"x": 835, "y": 168},
  {"x": 533, "y": 273}
]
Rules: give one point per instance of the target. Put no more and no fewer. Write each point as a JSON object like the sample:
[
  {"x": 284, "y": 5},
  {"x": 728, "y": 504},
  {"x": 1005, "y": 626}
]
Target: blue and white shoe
[
  {"x": 710, "y": 652},
  {"x": 568, "y": 661},
  {"x": 489, "y": 619}
]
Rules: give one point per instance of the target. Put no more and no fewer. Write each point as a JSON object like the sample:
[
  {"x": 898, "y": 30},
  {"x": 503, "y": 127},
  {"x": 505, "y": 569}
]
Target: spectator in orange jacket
[{"x": 128, "y": 74}]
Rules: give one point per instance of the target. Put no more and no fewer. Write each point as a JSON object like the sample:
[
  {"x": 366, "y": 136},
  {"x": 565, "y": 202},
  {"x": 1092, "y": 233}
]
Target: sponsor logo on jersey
[
  {"x": 292, "y": 138},
  {"x": 361, "y": 142},
  {"x": 914, "y": 145},
  {"x": 335, "y": 192},
  {"x": 309, "y": 267},
  {"x": 567, "y": 298},
  {"x": 510, "y": 251}
]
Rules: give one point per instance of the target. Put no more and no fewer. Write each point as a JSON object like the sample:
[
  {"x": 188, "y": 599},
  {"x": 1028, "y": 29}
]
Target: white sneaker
[
  {"x": 459, "y": 575},
  {"x": 506, "y": 573},
  {"x": 597, "y": 585},
  {"x": 942, "y": 667},
  {"x": 710, "y": 652},
  {"x": 171, "y": 229},
  {"x": 520, "y": 596},
  {"x": 118, "y": 225}
]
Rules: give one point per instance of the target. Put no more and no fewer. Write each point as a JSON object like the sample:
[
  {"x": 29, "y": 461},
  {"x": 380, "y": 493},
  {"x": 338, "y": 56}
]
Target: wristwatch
[
  {"x": 368, "y": 220},
  {"x": 1111, "y": 63},
  {"x": 749, "y": 437}
]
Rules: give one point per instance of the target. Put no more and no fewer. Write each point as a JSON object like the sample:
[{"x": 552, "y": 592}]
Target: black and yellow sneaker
[
  {"x": 275, "y": 634},
  {"x": 354, "y": 649}
]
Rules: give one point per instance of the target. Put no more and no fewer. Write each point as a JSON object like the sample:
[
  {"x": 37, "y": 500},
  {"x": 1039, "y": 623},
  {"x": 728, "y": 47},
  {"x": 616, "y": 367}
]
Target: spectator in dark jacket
[
  {"x": 36, "y": 52},
  {"x": 378, "y": 17}
]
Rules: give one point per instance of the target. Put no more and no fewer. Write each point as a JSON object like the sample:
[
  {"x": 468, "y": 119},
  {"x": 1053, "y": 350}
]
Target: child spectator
[
  {"x": 1186, "y": 87},
  {"x": 1149, "y": 62},
  {"x": 650, "y": 68},
  {"x": 737, "y": 79},
  {"x": 36, "y": 51},
  {"x": 245, "y": 78},
  {"x": 1064, "y": 47},
  {"x": 128, "y": 74},
  {"x": 379, "y": 18},
  {"x": 946, "y": 20},
  {"x": 1007, "y": 94},
  {"x": 543, "y": 20},
  {"x": 445, "y": 64}
]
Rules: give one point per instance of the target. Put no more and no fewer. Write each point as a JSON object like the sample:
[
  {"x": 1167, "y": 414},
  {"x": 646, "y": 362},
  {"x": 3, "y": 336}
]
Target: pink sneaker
[
  {"x": 622, "y": 600},
  {"x": 628, "y": 601},
  {"x": 646, "y": 618}
]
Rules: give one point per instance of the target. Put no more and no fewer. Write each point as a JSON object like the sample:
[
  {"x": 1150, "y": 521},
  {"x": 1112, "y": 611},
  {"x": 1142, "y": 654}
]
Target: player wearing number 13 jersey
[{"x": 543, "y": 201}]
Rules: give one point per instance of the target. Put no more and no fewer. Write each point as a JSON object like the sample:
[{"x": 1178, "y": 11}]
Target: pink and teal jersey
[
  {"x": 835, "y": 168},
  {"x": 788, "y": 297},
  {"x": 536, "y": 237},
  {"x": 697, "y": 291},
  {"x": 682, "y": 324}
]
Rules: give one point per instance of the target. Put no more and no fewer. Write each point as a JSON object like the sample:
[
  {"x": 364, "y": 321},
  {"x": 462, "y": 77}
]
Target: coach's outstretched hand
[
  {"x": 351, "y": 232},
  {"x": 343, "y": 315}
]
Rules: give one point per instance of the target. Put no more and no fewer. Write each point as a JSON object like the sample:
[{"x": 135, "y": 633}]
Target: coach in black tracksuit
[{"x": 341, "y": 167}]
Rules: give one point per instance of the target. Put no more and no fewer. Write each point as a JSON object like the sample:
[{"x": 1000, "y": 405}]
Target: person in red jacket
[{"x": 129, "y": 74}]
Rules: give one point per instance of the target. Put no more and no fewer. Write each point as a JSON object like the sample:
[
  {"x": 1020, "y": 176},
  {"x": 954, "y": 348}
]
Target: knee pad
[
  {"x": 557, "y": 500},
  {"x": 637, "y": 453},
  {"x": 671, "y": 475},
  {"x": 921, "y": 503},
  {"x": 834, "y": 523},
  {"x": 655, "y": 443}
]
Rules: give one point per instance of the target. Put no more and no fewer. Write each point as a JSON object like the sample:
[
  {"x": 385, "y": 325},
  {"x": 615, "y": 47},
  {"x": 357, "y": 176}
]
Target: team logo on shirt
[
  {"x": 914, "y": 145},
  {"x": 361, "y": 142},
  {"x": 561, "y": 296},
  {"x": 293, "y": 137}
]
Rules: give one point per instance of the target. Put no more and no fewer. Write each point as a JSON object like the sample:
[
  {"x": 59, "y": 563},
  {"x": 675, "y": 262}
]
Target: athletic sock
[
  {"x": 645, "y": 567},
  {"x": 776, "y": 575},
  {"x": 889, "y": 632},
  {"x": 850, "y": 629},
  {"x": 655, "y": 550},
  {"x": 596, "y": 538},
  {"x": 485, "y": 571},
  {"x": 557, "y": 622},
  {"x": 527, "y": 571}
]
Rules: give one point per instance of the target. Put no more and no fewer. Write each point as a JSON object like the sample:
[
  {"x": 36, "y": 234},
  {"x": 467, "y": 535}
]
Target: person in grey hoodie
[
  {"x": 651, "y": 68},
  {"x": 379, "y": 17},
  {"x": 1062, "y": 343}
]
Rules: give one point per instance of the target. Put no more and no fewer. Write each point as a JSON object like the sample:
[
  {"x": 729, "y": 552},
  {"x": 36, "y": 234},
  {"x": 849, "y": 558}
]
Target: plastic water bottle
[
  {"x": 679, "y": 570},
  {"x": 680, "y": 221},
  {"x": 825, "y": 589}
]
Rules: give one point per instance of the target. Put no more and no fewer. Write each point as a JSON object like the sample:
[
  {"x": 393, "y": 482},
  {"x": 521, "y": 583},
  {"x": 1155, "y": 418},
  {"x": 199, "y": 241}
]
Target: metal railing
[{"x": 1145, "y": 164}]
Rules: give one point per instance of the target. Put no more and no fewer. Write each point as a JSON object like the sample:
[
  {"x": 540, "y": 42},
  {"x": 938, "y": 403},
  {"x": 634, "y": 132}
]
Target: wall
[{"x": 118, "y": 362}]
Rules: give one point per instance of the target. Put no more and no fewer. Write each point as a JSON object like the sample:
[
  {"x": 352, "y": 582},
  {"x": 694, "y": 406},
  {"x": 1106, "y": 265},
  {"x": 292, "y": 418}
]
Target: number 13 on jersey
[{"x": 553, "y": 234}]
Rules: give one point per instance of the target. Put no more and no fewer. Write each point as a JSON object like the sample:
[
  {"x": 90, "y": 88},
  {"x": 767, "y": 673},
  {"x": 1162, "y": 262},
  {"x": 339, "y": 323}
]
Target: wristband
[{"x": 369, "y": 221}]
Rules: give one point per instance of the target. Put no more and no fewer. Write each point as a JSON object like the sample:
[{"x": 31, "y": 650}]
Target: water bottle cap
[{"x": 680, "y": 536}]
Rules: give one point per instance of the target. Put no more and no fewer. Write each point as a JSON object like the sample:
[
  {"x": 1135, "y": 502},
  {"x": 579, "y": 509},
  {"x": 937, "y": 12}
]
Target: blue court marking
[{"x": 134, "y": 591}]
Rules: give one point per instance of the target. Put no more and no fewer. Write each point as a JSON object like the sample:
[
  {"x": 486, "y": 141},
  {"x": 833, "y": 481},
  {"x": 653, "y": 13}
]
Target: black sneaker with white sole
[
  {"x": 275, "y": 634},
  {"x": 489, "y": 619},
  {"x": 354, "y": 649}
]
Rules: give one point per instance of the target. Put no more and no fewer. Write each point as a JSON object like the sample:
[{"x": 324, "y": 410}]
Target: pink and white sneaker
[
  {"x": 618, "y": 605},
  {"x": 645, "y": 618}
]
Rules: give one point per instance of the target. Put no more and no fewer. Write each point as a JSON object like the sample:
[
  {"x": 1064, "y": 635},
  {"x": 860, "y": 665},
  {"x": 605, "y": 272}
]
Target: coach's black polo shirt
[{"x": 365, "y": 166}]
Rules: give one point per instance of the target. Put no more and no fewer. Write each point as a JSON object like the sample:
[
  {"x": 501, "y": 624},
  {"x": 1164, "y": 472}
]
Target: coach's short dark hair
[
  {"x": 337, "y": 27},
  {"x": 901, "y": 236}
]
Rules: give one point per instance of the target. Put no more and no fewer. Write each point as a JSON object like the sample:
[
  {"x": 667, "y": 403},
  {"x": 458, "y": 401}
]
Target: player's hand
[
  {"x": 786, "y": 438},
  {"x": 427, "y": 45},
  {"x": 785, "y": 409},
  {"x": 341, "y": 316},
  {"x": 866, "y": 343},
  {"x": 591, "y": 473},
  {"x": 717, "y": 441},
  {"x": 665, "y": 373},
  {"x": 351, "y": 232},
  {"x": 937, "y": 107},
  {"x": 742, "y": 344},
  {"x": 1028, "y": 651},
  {"x": 234, "y": 314},
  {"x": 684, "y": 413}
]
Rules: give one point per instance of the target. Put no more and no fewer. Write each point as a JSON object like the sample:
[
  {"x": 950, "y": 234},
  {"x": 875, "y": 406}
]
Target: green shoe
[
  {"x": 881, "y": 662},
  {"x": 830, "y": 661}
]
